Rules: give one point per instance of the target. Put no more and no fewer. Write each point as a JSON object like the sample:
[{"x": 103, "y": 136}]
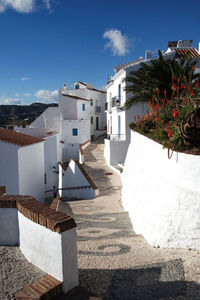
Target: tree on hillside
[{"x": 159, "y": 74}]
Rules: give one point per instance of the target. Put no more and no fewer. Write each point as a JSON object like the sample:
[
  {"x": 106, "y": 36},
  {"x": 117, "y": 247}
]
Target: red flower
[
  {"x": 138, "y": 117},
  {"x": 169, "y": 133},
  {"x": 165, "y": 92},
  {"x": 169, "y": 124},
  {"x": 178, "y": 79},
  {"x": 196, "y": 85},
  {"x": 175, "y": 113},
  {"x": 158, "y": 91},
  {"x": 185, "y": 100},
  {"x": 157, "y": 117},
  {"x": 193, "y": 67},
  {"x": 157, "y": 106},
  {"x": 168, "y": 102},
  {"x": 153, "y": 98},
  {"x": 166, "y": 128},
  {"x": 192, "y": 93},
  {"x": 174, "y": 86}
]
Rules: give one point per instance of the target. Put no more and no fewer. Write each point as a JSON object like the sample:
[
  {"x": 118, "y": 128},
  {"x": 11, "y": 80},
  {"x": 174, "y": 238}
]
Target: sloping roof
[
  {"x": 76, "y": 97},
  {"x": 119, "y": 67},
  {"x": 16, "y": 138},
  {"x": 190, "y": 52},
  {"x": 101, "y": 91}
]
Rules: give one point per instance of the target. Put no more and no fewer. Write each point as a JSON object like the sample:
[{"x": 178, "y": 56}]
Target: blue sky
[{"x": 46, "y": 43}]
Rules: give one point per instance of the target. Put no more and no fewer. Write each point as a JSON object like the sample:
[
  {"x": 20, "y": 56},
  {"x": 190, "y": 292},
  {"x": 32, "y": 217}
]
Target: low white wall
[
  {"x": 52, "y": 252},
  {"x": 39, "y": 132},
  {"x": 9, "y": 229},
  {"x": 115, "y": 151},
  {"x": 162, "y": 195}
]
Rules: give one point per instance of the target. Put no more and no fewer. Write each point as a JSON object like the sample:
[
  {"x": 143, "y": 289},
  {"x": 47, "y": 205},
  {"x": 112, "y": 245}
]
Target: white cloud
[
  {"x": 118, "y": 43},
  {"x": 24, "y": 78},
  {"x": 27, "y": 94},
  {"x": 22, "y": 6},
  {"x": 9, "y": 101},
  {"x": 47, "y": 96}
]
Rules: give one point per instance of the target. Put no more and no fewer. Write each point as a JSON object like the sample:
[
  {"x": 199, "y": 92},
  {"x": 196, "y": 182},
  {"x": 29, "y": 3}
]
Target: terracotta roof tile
[
  {"x": 191, "y": 52},
  {"x": 2, "y": 190},
  {"x": 21, "y": 139}
]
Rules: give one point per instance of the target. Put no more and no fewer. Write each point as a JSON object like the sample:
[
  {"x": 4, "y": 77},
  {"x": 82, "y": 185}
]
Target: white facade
[
  {"x": 22, "y": 169},
  {"x": 73, "y": 183},
  {"x": 118, "y": 119},
  {"x": 162, "y": 195}
]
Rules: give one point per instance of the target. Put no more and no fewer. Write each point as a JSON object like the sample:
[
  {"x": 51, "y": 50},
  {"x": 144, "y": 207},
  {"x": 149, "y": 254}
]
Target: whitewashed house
[
  {"x": 94, "y": 109},
  {"x": 22, "y": 164},
  {"x": 118, "y": 119}
]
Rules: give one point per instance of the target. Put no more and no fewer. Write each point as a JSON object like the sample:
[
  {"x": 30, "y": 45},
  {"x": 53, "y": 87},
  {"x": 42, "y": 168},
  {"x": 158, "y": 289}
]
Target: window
[
  {"x": 74, "y": 131},
  {"x": 91, "y": 120},
  {"x": 76, "y": 86},
  {"x": 91, "y": 103},
  {"x": 45, "y": 178},
  {"x": 83, "y": 107}
]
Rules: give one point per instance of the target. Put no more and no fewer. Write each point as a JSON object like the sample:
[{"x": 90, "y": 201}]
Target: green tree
[{"x": 159, "y": 74}]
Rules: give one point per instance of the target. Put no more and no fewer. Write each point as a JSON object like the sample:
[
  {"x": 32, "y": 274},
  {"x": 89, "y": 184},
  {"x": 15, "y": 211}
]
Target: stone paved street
[
  {"x": 116, "y": 263},
  {"x": 15, "y": 272}
]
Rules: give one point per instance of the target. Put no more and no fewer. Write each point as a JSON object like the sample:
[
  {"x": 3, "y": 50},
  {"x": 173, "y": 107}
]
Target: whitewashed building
[
  {"x": 22, "y": 164},
  {"x": 90, "y": 106},
  {"x": 118, "y": 119}
]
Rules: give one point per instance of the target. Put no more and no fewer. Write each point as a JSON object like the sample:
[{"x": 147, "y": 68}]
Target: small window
[
  {"x": 74, "y": 131},
  {"x": 76, "y": 86},
  {"x": 91, "y": 103},
  {"x": 91, "y": 120},
  {"x": 45, "y": 178},
  {"x": 83, "y": 106}
]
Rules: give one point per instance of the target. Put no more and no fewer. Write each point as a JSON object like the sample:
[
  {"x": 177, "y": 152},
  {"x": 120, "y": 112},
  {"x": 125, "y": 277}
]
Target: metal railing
[
  {"x": 116, "y": 137},
  {"x": 97, "y": 109}
]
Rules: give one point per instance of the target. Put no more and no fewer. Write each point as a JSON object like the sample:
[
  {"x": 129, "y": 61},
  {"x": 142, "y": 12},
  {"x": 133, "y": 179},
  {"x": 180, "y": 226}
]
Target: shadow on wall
[{"x": 146, "y": 283}]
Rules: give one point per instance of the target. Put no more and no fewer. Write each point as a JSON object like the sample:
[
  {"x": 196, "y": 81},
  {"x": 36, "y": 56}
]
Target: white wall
[
  {"x": 50, "y": 160},
  {"x": 9, "y": 227},
  {"x": 162, "y": 195},
  {"x": 9, "y": 167},
  {"x": 31, "y": 171},
  {"x": 49, "y": 119},
  {"x": 83, "y": 127},
  {"x": 70, "y": 151},
  {"x": 68, "y": 107},
  {"x": 52, "y": 252},
  {"x": 73, "y": 177},
  {"x": 115, "y": 151}
]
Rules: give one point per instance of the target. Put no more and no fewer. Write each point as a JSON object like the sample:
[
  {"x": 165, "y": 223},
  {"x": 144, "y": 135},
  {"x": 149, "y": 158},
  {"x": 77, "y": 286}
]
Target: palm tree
[{"x": 158, "y": 74}]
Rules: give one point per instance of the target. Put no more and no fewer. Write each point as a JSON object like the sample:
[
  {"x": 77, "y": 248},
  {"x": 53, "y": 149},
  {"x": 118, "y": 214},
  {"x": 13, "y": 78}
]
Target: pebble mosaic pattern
[{"x": 114, "y": 262}]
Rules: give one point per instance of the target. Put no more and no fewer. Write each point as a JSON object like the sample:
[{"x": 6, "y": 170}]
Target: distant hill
[{"x": 22, "y": 114}]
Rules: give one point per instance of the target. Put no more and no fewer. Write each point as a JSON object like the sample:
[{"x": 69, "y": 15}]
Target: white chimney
[
  {"x": 148, "y": 54},
  {"x": 65, "y": 86}
]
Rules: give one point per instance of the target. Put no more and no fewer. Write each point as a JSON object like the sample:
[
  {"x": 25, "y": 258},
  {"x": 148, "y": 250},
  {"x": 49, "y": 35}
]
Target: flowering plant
[{"x": 176, "y": 118}]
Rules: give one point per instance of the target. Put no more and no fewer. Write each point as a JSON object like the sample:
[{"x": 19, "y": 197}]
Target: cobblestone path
[
  {"x": 114, "y": 262},
  {"x": 15, "y": 272}
]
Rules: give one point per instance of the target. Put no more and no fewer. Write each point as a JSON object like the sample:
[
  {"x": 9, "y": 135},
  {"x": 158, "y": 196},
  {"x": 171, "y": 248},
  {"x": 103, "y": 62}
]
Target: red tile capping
[
  {"x": 46, "y": 287},
  {"x": 38, "y": 213},
  {"x": 2, "y": 190}
]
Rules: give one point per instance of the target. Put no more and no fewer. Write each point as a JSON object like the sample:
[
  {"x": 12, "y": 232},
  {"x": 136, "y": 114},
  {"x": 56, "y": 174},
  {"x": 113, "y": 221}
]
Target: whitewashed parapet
[
  {"x": 162, "y": 195},
  {"x": 47, "y": 238},
  {"x": 81, "y": 148}
]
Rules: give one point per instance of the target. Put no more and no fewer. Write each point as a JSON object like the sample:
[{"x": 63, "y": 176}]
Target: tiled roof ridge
[
  {"x": 76, "y": 97},
  {"x": 38, "y": 213},
  {"x": 191, "y": 51},
  {"x": 93, "y": 89},
  {"x": 119, "y": 67},
  {"x": 18, "y": 138}
]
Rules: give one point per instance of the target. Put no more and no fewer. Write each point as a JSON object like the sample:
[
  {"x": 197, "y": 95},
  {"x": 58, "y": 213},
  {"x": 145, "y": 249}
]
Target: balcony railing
[
  {"x": 116, "y": 137},
  {"x": 97, "y": 109}
]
